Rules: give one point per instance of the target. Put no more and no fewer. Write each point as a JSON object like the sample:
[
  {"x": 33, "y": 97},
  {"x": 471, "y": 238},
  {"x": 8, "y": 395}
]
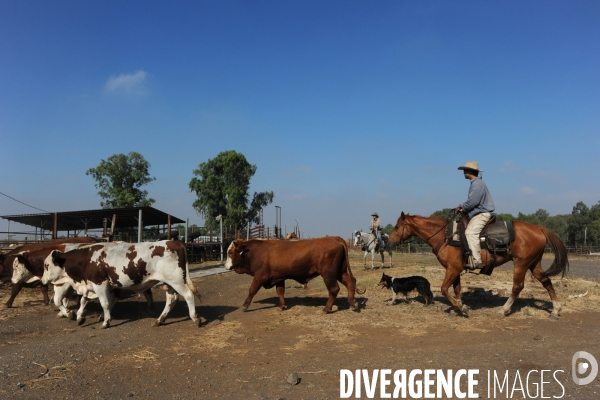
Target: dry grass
[{"x": 485, "y": 295}]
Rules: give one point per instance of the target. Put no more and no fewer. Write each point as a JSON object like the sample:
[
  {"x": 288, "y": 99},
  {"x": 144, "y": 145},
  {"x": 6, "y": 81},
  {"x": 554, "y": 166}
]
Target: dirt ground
[{"x": 248, "y": 355}]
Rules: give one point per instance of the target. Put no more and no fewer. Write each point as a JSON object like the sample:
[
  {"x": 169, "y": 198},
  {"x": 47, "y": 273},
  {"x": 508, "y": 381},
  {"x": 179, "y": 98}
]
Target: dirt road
[{"x": 249, "y": 355}]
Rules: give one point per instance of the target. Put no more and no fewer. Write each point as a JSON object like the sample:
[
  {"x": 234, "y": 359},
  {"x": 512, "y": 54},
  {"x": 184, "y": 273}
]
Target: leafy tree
[
  {"x": 541, "y": 215},
  {"x": 531, "y": 218},
  {"x": 389, "y": 228},
  {"x": 577, "y": 223},
  {"x": 558, "y": 224},
  {"x": 222, "y": 185},
  {"x": 593, "y": 234},
  {"x": 120, "y": 178},
  {"x": 443, "y": 214},
  {"x": 505, "y": 217}
]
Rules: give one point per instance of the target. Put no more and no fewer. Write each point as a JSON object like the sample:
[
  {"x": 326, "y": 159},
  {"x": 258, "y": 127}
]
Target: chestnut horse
[{"x": 526, "y": 253}]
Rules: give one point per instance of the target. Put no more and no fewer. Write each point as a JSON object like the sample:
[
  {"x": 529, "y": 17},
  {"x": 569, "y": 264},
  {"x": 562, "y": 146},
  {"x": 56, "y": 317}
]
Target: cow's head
[
  {"x": 53, "y": 267},
  {"x": 236, "y": 254},
  {"x": 20, "y": 271}
]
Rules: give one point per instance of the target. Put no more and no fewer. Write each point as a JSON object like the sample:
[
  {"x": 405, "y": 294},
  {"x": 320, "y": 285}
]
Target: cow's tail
[
  {"x": 188, "y": 278},
  {"x": 358, "y": 291},
  {"x": 560, "y": 265}
]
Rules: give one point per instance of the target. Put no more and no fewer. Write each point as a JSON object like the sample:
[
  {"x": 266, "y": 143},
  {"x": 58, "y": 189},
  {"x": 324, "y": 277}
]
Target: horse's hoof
[
  {"x": 156, "y": 324},
  {"x": 282, "y": 308},
  {"x": 72, "y": 316},
  {"x": 104, "y": 326},
  {"x": 81, "y": 321},
  {"x": 198, "y": 322},
  {"x": 554, "y": 316}
]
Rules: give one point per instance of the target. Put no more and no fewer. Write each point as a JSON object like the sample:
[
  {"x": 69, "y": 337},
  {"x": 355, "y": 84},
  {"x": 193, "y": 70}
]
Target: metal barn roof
[{"x": 94, "y": 219}]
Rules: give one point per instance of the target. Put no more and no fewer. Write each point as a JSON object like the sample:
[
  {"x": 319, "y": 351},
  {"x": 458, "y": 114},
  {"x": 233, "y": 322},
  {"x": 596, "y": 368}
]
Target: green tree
[
  {"x": 389, "y": 228},
  {"x": 577, "y": 223},
  {"x": 120, "y": 178},
  {"x": 531, "y": 218},
  {"x": 558, "y": 224},
  {"x": 443, "y": 214},
  {"x": 505, "y": 217},
  {"x": 222, "y": 185},
  {"x": 541, "y": 215}
]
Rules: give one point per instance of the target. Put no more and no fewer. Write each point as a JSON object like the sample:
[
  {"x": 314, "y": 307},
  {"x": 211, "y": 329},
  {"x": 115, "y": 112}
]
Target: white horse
[{"x": 370, "y": 243}]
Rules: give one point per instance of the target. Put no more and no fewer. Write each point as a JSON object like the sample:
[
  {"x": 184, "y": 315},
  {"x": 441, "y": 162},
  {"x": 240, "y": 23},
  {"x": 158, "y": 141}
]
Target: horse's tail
[{"x": 560, "y": 265}]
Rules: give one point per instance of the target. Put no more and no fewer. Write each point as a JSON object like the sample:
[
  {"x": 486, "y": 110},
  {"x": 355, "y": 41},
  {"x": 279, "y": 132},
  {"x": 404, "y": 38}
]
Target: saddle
[{"x": 495, "y": 237}]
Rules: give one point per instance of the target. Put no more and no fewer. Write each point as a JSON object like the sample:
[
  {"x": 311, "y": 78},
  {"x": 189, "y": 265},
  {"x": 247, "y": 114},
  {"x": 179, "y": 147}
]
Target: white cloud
[
  {"x": 528, "y": 190},
  {"x": 127, "y": 83}
]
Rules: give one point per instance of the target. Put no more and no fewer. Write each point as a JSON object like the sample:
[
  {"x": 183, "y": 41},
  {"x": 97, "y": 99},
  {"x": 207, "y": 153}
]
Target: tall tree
[
  {"x": 222, "y": 185},
  {"x": 120, "y": 178},
  {"x": 580, "y": 218}
]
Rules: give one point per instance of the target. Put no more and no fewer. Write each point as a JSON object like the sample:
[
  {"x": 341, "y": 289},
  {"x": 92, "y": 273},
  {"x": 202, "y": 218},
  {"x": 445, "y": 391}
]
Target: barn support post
[
  {"x": 168, "y": 227},
  {"x": 55, "y": 228},
  {"x": 140, "y": 226},
  {"x": 187, "y": 221},
  {"x": 248, "y": 232},
  {"x": 112, "y": 227}
]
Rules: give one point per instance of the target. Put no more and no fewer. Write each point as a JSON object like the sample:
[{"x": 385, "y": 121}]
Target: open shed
[{"x": 77, "y": 223}]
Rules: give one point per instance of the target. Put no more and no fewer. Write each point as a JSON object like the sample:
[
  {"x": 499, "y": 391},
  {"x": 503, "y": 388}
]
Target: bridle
[
  {"x": 360, "y": 239},
  {"x": 437, "y": 247}
]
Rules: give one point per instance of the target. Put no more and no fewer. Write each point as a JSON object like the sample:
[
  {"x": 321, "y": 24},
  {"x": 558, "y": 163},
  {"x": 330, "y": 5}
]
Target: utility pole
[
  {"x": 278, "y": 222},
  {"x": 220, "y": 219}
]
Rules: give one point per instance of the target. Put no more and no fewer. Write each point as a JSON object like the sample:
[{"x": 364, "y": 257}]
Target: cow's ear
[
  {"x": 20, "y": 259},
  {"x": 242, "y": 248},
  {"x": 56, "y": 258}
]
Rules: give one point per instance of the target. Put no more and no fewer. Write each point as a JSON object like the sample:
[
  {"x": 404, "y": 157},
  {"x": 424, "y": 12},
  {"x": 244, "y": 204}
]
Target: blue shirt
[{"x": 480, "y": 200}]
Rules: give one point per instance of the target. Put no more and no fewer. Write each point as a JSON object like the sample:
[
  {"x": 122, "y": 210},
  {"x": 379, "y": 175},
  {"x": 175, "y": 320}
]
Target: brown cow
[
  {"x": 271, "y": 262},
  {"x": 6, "y": 262}
]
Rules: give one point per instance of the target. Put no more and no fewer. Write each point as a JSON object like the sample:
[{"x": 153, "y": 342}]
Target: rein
[{"x": 437, "y": 246}]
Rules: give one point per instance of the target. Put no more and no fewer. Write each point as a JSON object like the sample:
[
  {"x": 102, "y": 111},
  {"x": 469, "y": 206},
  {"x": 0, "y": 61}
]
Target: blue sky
[{"x": 346, "y": 107}]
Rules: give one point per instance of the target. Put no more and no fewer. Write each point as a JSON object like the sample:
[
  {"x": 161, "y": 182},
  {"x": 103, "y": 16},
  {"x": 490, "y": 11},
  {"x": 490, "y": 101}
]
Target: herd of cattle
[{"x": 99, "y": 270}]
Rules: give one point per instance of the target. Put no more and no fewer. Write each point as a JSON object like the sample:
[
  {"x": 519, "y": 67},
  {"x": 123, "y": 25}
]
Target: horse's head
[
  {"x": 401, "y": 231},
  {"x": 357, "y": 238}
]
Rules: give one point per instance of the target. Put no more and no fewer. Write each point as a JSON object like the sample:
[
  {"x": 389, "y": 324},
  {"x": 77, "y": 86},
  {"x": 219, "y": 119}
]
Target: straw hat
[{"x": 471, "y": 165}]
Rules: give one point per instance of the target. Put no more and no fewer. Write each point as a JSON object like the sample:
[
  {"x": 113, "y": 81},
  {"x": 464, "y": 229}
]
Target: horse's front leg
[
  {"x": 373, "y": 259},
  {"x": 365, "y": 259},
  {"x": 451, "y": 279},
  {"x": 382, "y": 259},
  {"x": 457, "y": 295}
]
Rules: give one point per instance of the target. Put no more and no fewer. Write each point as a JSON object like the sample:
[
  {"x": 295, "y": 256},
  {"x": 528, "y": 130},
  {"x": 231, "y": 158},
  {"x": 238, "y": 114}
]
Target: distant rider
[
  {"x": 375, "y": 228},
  {"x": 478, "y": 208}
]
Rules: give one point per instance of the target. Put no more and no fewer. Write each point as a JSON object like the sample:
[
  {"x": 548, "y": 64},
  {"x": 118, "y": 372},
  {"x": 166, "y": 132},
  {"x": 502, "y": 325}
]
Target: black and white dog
[{"x": 405, "y": 285}]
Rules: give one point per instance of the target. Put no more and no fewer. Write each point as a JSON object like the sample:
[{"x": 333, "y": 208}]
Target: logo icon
[{"x": 582, "y": 367}]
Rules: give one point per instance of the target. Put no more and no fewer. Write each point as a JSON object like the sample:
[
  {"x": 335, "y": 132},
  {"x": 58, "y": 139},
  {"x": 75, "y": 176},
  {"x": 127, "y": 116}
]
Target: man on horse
[
  {"x": 478, "y": 207},
  {"x": 375, "y": 228}
]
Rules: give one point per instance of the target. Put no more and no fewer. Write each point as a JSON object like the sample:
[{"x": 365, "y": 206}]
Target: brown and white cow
[
  {"x": 271, "y": 262},
  {"x": 102, "y": 268},
  {"x": 43, "y": 249},
  {"x": 29, "y": 266}
]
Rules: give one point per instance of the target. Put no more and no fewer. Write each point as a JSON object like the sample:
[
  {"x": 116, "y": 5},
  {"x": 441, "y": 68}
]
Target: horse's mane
[{"x": 431, "y": 218}]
